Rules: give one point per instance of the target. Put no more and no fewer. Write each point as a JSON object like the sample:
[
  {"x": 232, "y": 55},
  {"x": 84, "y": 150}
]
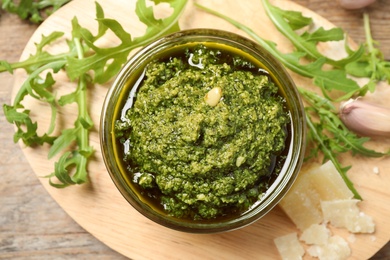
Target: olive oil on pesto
[{"x": 197, "y": 160}]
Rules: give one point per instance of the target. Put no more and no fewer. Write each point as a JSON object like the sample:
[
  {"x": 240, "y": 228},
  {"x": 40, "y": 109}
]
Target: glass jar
[{"x": 126, "y": 84}]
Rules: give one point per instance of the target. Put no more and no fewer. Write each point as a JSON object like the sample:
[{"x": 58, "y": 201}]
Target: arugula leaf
[
  {"x": 99, "y": 61},
  {"x": 295, "y": 19},
  {"x": 309, "y": 47},
  {"x": 39, "y": 59},
  {"x": 322, "y": 35},
  {"x": 6, "y": 66},
  {"x": 37, "y": 88},
  {"x": 372, "y": 65},
  {"x": 32, "y": 10},
  {"x": 68, "y": 162},
  {"x": 72, "y": 145},
  {"x": 160, "y": 26},
  {"x": 26, "y": 129},
  {"x": 67, "y": 137},
  {"x": 40, "y": 90}
]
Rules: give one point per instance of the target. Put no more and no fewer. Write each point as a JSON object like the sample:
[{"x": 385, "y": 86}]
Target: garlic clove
[{"x": 366, "y": 119}]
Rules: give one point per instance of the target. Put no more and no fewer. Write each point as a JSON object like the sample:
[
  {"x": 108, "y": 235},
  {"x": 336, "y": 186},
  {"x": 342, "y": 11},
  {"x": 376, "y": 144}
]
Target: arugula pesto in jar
[{"x": 204, "y": 133}]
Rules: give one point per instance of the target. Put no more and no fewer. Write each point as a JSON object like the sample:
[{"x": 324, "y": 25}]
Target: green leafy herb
[
  {"x": 117, "y": 55},
  {"x": 295, "y": 19},
  {"x": 286, "y": 23},
  {"x": 32, "y": 10},
  {"x": 372, "y": 65},
  {"x": 39, "y": 59},
  {"x": 71, "y": 146}
]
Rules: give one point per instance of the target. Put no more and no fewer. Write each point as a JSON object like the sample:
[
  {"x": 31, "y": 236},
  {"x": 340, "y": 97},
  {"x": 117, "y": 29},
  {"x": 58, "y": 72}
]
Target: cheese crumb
[
  {"x": 352, "y": 238},
  {"x": 289, "y": 246},
  {"x": 361, "y": 223},
  {"x": 335, "y": 249},
  {"x": 346, "y": 214},
  {"x": 375, "y": 170},
  {"x": 315, "y": 234}
]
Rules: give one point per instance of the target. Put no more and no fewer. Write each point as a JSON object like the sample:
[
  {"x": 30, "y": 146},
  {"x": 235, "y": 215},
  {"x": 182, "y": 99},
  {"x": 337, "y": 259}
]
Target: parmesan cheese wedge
[
  {"x": 302, "y": 202},
  {"x": 328, "y": 183}
]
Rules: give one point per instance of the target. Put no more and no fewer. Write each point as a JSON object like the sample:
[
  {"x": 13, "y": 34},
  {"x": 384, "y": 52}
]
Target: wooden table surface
[{"x": 32, "y": 225}]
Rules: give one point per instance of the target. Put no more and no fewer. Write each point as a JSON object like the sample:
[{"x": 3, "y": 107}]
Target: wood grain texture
[{"x": 33, "y": 226}]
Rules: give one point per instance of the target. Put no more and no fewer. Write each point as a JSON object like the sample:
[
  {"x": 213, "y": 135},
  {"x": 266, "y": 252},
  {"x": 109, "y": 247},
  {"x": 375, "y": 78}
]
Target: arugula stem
[
  {"x": 83, "y": 140},
  {"x": 367, "y": 30},
  {"x": 38, "y": 63},
  {"x": 370, "y": 46}
]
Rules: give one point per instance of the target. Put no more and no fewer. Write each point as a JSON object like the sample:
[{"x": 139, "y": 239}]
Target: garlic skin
[
  {"x": 366, "y": 119},
  {"x": 355, "y": 4}
]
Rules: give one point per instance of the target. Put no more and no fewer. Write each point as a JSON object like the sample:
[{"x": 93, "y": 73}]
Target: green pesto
[{"x": 199, "y": 161}]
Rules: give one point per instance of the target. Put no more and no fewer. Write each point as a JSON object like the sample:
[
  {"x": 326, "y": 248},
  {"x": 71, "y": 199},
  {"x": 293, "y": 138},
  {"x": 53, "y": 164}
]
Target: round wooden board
[{"x": 99, "y": 207}]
